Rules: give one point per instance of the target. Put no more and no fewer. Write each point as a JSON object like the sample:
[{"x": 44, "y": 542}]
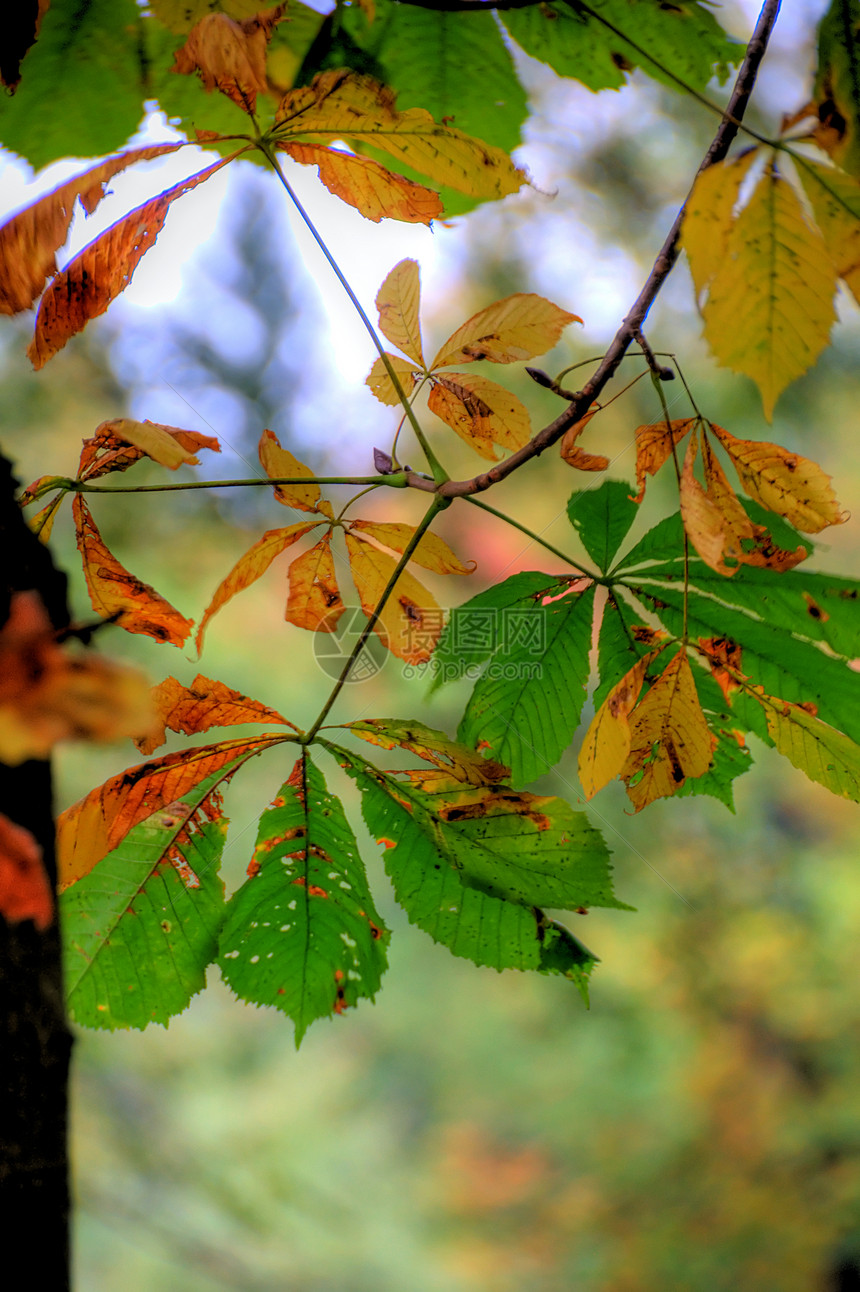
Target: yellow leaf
[
  {"x": 519, "y": 327},
  {"x": 669, "y": 737},
  {"x": 106, "y": 450},
  {"x": 654, "y": 446},
  {"x": 410, "y": 622},
  {"x": 432, "y": 552},
  {"x": 607, "y": 742},
  {"x": 156, "y": 441},
  {"x": 398, "y": 301},
  {"x": 835, "y": 200},
  {"x": 229, "y": 55},
  {"x": 784, "y": 482},
  {"x": 251, "y": 566},
  {"x": 117, "y": 594},
  {"x": 381, "y": 384},
  {"x": 482, "y": 412},
  {"x": 344, "y": 105},
  {"x": 43, "y": 522},
  {"x": 377, "y": 193},
  {"x": 823, "y": 753},
  {"x": 314, "y": 601},
  {"x": 708, "y": 217},
  {"x": 769, "y": 308},
  {"x": 29, "y": 241},
  {"x": 278, "y": 464}
]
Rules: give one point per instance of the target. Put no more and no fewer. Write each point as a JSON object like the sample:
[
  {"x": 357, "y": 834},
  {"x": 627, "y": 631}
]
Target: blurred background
[{"x": 699, "y": 1127}]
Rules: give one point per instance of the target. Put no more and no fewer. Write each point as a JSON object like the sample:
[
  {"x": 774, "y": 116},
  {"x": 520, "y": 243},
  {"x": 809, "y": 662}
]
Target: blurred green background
[{"x": 699, "y": 1127}]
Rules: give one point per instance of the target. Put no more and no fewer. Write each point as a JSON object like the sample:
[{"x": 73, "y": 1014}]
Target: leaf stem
[
  {"x": 438, "y": 504},
  {"x": 397, "y": 479},
  {"x": 658, "y": 386},
  {"x": 529, "y": 533},
  {"x": 439, "y": 473}
]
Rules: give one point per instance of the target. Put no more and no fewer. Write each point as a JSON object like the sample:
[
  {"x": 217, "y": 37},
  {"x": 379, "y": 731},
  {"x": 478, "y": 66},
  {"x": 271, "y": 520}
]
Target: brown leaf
[
  {"x": 30, "y": 240},
  {"x": 379, "y": 194},
  {"x": 204, "y": 704},
  {"x": 314, "y": 601},
  {"x": 107, "y": 451},
  {"x": 576, "y": 457},
  {"x": 25, "y": 891},
  {"x": 432, "y": 551},
  {"x": 381, "y": 384},
  {"x": 98, "y": 274},
  {"x": 278, "y": 463},
  {"x": 722, "y": 655},
  {"x": 118, "y": 595},
  {"x": 519, "y": 327},
  {"x": 230, "y": 56},
  {"x": 250, "y": 567},
  {"x": 410, "y": 622},
  {"x": 398, "y": 301},
  {"x": 482, "y": 412},
  {"x": 654, "y": 447},
  {"x": 784, "y": 482}
]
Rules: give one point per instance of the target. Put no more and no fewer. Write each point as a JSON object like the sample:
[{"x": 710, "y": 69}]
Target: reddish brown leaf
[
  {"x": 118, "y": 595},
  {"x": 30, "y": 240},
  {"x": 314, "y": 601},
  {"x": 379, "y": 194},
  {"x": 722, "y": 655},
  {"x": 106, "y": 450},
  {"x": 576, "y": 457},
  {"x": 230, "y": 56},
  {"x": 89, "y": 283},
  {"x": 204, "y": 704},
  {"x": 25, "y": 893}
]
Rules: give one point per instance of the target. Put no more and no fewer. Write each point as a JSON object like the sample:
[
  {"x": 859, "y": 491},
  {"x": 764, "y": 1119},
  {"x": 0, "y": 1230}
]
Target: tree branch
[{"x": 634, "y": 320}]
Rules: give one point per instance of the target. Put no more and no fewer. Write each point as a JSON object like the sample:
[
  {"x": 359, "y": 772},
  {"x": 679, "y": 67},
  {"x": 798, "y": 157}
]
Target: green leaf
[
  {"x": 683, "y": 39},
  {"x": 302, "y": 932},
  {"x": 602, "y": 517},
  {"x": 470, "y": 922},
  {"x": 837, "y": 83},
  {"x": 81, "y": 91},
  {"x": 139, "y": 930},
  {"x": 664, "y": 543},
  {"x": 471, "y": 635},
  {"x": 824, "y": 754},
  {"x": 526, "y": 706}
]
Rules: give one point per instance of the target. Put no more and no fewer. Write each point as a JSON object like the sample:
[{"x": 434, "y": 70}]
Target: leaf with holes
[{"x": 204, "y": 704}]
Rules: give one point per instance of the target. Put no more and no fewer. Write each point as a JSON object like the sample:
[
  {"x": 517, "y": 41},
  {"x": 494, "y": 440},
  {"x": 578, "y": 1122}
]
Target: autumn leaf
[
  {"x": 410, "y": 622},
  {"x": 576, "y": 457},
  {"x": 654, "y": 445},
  {"x": 769, "y": 306},
  {"x": 823, "y": 753},
  {"x": 358, "y": 110},
  {"x": 381, "y": 384},
  {"x": 432, "y": 552},
  {"x": 204, "y": 704},
  {"x": 88, "y": 284},
  {"x": 606, "y": 746},
  {"x": 835, "y": 90},
  {"x": 229, "y": 55},
  {"x": 279, "y": 463},
  {"x": 361, "y": 182},
  {"x": 398, "y": 301},
  {"x": 783, "y": 482},
  {"x": 835, "y": 200},
  {"x": 120, "y": 596},
  {"x": 669, "y": 737},
  {"x": 708, "y": 216},
  {"x": 314, "y": 600},
  {"x": 482, "y": 412},
  {"x": 724, "y": 658},
  {"x": 155, "y": 441},
  {"x": 30, "y": 240},
  {"x": 519, "y": 327},
  {"x": 25, "y": 891},
  {"x": 467, "y": 765},
  {"x": 107, "y": 450},
  {"x": 251, "y": 566}
]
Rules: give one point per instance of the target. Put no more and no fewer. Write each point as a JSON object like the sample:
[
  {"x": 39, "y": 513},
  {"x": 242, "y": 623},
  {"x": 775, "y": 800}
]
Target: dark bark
[{"x": 35, "y": 1043}]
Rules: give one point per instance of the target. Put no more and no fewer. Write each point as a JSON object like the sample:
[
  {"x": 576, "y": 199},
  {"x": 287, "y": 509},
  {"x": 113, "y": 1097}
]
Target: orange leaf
[
  {"x": 398, "y": 301},
  {"x": 278, "y": 463},
  {"x": 92, "y": 827},
  {"x": 314, "y": 601},
  {"x": 722, "y": 654},
  {"x": 606, "y": 745},
  {"x": 576, "y": 457},
  {"x": 30, "y": 240},
  {"x": 508, "y": 331},
  {"x": 98, "y": 274},
  {"x": 481, "y": 412},
  {"x": 107, "y": 451},
  {"x": 200, "y": 706},
  {"x": 25, "y": 892},
  {"x": 669, "y": 737},
  {"x": 250, "y": 567},
  {"x": 381, "y": 384},
  {"x": 784, "y": 482},
  {"x": 230, "y": 56},
  {"x": 432, "y": 552},
  {"x": 118, "y": 595},
  {"x": 654, "y": 446},
  {"x": 410, "y": 622},
  {"x": 379, "y": 194},
  {"x": 153, "y": 439}
]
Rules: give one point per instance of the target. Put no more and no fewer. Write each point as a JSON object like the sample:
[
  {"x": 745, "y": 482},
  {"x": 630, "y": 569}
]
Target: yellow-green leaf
[
  {"x": 398, "y": 301},
  {"x": 381, "y": 384},
  {"x": 836, "y": 80},
  {"x": 508, "y": 331},
  {"x": 769, "y": 308},
  {"x": 278, "y": 464},
  {"x": 432, "y": 551},
  {"x": 823, "y": 753},
  {"x": 410, "y": 622},
  {"x": 784, "y": 482},
  {"x": 835, "y": 200},
  {"x": 482, "y": 412}
]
